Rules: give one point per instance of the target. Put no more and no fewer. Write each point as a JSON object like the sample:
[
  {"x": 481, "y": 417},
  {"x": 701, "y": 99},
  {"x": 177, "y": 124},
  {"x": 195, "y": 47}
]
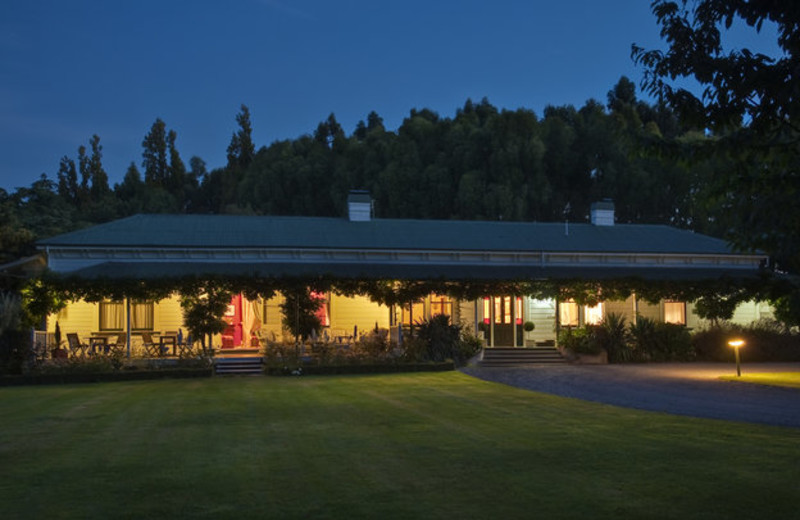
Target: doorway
[{"x": 503, "y": 316}]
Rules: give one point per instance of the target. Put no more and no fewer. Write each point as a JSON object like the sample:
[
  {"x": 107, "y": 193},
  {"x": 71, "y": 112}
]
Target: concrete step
[
  {"x": 238, "y": 365},
  {"x": 499, "y": 357}
]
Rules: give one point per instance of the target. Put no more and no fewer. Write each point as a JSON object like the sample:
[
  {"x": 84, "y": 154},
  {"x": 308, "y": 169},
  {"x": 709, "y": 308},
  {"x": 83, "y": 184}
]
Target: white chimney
[
  {"x": 359, "y": 206},
  {"x": 602, "y": 213}
]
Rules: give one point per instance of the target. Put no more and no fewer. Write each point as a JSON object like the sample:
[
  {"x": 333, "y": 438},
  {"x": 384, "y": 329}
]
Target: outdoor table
[
  {"x": 98, "y": 342},
  {"x": 164, "y": 341}
]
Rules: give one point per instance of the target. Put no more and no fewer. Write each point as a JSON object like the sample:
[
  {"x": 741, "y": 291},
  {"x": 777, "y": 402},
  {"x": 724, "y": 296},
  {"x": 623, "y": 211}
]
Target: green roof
[
  {"x": 396, "y": 271},
  {"x": 234, "y": 231}
]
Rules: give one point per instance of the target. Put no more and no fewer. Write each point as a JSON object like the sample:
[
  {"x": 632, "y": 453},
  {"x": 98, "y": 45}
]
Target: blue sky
[{"x": 70, "y": 69}]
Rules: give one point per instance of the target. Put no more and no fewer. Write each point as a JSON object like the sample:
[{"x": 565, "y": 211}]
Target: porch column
[
  {"x": 491, "y": 320},
  {"x": 558, "y": 319},
  {"x": 476, "y": 318},
  {"x": 514, "y": 319},
  {"x": 128, "y": 325}
]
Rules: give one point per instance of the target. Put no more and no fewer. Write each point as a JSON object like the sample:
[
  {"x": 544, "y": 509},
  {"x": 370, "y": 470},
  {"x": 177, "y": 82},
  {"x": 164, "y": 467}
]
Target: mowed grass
[
  {"x": 392, "y": 446},
  {"x": 787, "y": 379}
]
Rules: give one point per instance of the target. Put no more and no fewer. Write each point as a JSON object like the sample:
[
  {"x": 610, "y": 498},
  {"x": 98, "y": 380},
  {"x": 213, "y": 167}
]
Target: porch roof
[
  {"x": 398, "y": 271},
  {"x": 234, "y": 231}
]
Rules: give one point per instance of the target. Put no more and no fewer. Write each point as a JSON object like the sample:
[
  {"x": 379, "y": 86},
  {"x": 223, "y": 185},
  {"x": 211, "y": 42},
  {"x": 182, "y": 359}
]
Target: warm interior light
[{"x": 736, "y": 343}]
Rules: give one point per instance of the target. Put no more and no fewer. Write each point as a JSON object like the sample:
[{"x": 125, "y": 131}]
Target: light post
[{"x": 735, "y": 344}]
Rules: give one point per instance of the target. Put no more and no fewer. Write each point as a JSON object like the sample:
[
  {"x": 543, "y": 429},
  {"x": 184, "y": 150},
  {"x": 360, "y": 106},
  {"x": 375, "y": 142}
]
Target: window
[
  {"x": 568, "y": 314},
  {"x": 414, "y": 312},
  {"x": 112, "y": 315},
  {"x": 441, "y": 305},
  {"x": 593, "y": 315},
  {"x": 675, "y": 312}
]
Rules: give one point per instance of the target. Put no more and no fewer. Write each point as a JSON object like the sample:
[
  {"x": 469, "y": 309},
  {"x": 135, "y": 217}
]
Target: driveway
[{"x": 691, "y": 389}]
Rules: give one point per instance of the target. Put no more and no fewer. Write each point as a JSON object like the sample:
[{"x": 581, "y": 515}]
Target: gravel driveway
[{"x": 678, "y": 388}]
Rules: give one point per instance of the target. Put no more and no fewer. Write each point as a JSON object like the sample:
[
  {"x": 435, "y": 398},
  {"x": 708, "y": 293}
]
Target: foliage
[
  {"x": 644, "y": 340},
  {"x": 203, "y": 309},
  {"x": 748, "y": 104},
  {"x": 439, "y": 340},
  {"x": 764, "y": 341},
  {"x": 611, "y": 335},
  {"x": 299, "y": 312},
  {"x": 659, "y": 341},
  {"x": 39, "y": 299},
  {"x": 578, "y": 340}
]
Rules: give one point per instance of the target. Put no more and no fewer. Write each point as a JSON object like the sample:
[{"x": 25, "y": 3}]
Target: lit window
[
  {"x": 568, "y": 314},
  {"x": 413, "y": 313},
  {"x": 487, "y": 310},
  {"x": 498, "y": 310},
  {"x": 112, "y": 315},
  {"x": 441, "y": 305},
  {"x": 675, "y": 312},
  {"x": 518, "y": 311},
  {"x": 507, "y": 309},
  {"x": 594, "y": 315}
]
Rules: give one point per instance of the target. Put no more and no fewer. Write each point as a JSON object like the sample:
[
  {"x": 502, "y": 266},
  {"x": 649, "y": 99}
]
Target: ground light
[{"x": 735, "y": 344}]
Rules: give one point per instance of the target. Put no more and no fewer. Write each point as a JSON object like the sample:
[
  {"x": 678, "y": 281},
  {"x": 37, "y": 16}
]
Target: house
[{"x": 362, "y": 247}]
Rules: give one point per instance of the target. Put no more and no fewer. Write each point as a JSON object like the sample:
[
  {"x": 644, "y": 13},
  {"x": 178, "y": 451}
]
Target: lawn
[
  {"x": 439, "y": 445},
  {"x": 788, "y": 379}
]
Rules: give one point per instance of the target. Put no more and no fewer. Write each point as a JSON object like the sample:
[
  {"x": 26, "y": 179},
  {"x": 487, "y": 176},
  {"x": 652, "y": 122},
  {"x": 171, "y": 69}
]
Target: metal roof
[
  {"x": 156, "y": 270},
  {"x": 235, "y": 231}
]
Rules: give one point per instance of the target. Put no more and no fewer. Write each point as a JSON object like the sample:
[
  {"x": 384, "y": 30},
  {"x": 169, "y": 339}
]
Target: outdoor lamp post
[{"x": 735, "y": 344}]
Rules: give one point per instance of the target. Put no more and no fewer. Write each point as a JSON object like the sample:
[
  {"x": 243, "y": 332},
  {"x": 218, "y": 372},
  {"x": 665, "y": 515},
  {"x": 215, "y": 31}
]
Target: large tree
[
  {"x": 155, "y": 156},
  {"x": 748, "y": 102}
]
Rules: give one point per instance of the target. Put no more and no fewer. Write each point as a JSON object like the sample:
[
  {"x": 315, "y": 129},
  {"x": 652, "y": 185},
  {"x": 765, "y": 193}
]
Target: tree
[
  {"x": 97, "y": 175},
  {"x": 299, "y": 309},
  {"x": 241, "y": 149},
  {"x": 749, "y": 101},
  {"x": 203, "y": 309},
  {"x": 177, "y": 171},
  {"x": 154, "y": 155}
]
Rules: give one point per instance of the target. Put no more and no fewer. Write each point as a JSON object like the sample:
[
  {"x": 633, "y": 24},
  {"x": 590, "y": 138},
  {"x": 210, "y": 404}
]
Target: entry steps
[
  {"x": 238, "y": 365},
  {"x": 514, "y": 356}
]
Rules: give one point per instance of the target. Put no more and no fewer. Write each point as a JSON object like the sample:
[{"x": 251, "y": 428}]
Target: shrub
[
  {"x": 612, "y": 336},
  {"x": 657, "y": 341},
  {"x": 441, "y": 338},
  {"x": 764, "y": 341},
  {"x": 579, "y": 341}
]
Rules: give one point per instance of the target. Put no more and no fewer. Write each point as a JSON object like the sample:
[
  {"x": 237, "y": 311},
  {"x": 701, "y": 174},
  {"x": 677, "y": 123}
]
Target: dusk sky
[{"x": 70, "y": 69}]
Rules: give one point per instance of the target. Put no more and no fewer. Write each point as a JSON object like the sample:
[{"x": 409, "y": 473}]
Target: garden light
[{"x": 735, "y": 344}]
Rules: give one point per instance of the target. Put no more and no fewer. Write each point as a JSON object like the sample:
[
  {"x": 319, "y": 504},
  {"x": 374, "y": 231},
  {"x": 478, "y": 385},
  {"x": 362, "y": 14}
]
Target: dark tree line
[{"x": 482, "y": 163}]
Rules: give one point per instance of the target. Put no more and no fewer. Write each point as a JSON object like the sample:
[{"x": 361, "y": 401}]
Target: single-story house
[{"x": 147, "y": 247}]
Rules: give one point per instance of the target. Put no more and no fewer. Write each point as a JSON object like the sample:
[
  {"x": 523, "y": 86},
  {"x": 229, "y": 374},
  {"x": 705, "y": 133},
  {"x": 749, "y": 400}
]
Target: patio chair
[
  {"x": 185, "y": 347},
  {"x": 151, "y": 348},
  {"x": 119, "y": 345},
  {"x": 76, "y": 348}
]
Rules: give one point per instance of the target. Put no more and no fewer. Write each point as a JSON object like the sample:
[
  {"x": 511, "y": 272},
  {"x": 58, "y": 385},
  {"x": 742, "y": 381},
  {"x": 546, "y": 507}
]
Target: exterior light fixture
[{"x": 735, "y": 344}]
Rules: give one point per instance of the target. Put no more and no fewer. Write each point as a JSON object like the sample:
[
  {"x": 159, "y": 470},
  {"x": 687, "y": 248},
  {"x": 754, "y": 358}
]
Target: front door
[{"x": 506, "y": 321}]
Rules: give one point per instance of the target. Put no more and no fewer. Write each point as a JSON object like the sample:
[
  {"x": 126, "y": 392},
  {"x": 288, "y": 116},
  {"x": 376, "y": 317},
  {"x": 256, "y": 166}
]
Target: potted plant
[
  {"x": 58, "y": 352},
  {"x": 528, "y": 326}
]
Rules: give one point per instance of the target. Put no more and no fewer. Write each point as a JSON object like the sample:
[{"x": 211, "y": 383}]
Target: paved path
[{"x": 678, "y": 388}]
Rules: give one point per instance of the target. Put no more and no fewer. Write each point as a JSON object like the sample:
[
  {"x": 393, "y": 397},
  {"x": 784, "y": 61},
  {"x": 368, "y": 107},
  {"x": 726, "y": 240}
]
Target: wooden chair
[
  {"x": 120, "y": 345},
  {"x": 76, "y": 348},
  {"x": 151, "y": 348},
  {"x": 185, "y": 348}
]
